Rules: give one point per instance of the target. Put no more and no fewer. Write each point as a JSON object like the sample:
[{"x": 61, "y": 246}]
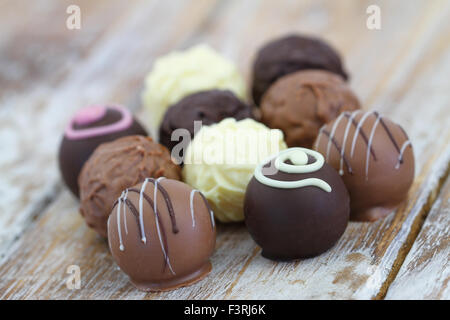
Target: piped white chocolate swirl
[{"x": 299, "y": 159}]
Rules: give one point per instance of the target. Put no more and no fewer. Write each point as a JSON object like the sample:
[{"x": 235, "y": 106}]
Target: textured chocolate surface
[
  {"x": 297, "y": 223},
  {"x": 162, "y": 233},
  {"x": 300, "y": 103},
  {"x": 207, "y": 106},
  {"x": 374, "y": 157},
  {"x": 115, "y": 166},
  {"x": 290, "y": 54},
  {"x": 73, "y": 153}
]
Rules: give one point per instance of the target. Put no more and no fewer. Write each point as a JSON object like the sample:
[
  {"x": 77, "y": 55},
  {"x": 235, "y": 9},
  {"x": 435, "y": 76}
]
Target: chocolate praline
[
  {"x": 375, "y": 159},
  {"x": 90, "y": 127},
  {"x": 301, "y": 102},
  {"x": 115, "y": 166},
  {"x": 294, "y": 215},
  {"x": 290, "y": 54},
  {"x": 209, "y": 107},
  {"x": 162, "y": 233}
]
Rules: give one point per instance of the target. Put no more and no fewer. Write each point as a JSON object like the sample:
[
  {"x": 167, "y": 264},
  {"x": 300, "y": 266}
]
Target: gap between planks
[{"x": 416, "y": 227}]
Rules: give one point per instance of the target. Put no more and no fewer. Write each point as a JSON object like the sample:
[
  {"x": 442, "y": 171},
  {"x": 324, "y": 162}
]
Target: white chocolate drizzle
[
  {"x": 299, "y": 160},
  {"x": 402, "y": 150},
  {"x": 344, "y": 142},
  {"x": 119, "y": 231},
  {"x": 141, "y": 210},
  {"x": 369, "y": 144},
  {"x": 333, "y": 131},
  {"x": 191, "y": 205}
]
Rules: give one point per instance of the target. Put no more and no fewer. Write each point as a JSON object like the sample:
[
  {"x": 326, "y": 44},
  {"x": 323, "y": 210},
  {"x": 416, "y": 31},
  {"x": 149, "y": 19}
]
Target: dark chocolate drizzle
[
  {"x": 338, "y": 148},
  {"x": 163, "y": 232},
  {"x": 362, "y": 133},
  {"x": 168, "y": 204}
]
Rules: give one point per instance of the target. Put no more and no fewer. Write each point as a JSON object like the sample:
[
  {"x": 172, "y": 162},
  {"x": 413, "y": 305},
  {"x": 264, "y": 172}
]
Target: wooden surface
[{"x": 47, "y": 72}]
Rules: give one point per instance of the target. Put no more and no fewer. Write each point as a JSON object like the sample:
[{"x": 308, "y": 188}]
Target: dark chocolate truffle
[
  {"x": 115, "y": 166},
  {"x": 300, "y": 103},
  {"x": 161, "y": 233},
  {"x": 296, "y": 206},
  {"x": 207, "y": 106},
  {"x": 375, "y": 159},
  {"x": 290, "y": 54},
  {"x": 90, "y": 127}
]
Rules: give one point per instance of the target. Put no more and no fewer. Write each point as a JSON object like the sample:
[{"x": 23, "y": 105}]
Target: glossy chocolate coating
[
  {"x": 169, "y": 247},
  {"x": 290, "y": 54},
  {"x": 115, "y": 166},
  {"x": 207, "y": 106},
  {"x": 301, "y": 102},
  {"x": 378, "y": 178},
  {"x": 296, "y": 223},
  {"x": 74, "y": 152}
]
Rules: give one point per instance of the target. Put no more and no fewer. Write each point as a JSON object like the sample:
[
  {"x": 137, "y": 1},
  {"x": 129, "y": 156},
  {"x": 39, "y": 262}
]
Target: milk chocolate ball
[
  {"x": 296, "y": 206},
  {"x": 209, "y": 107},
  {"x": 90, "y": 127},
  {"x": 375, "y": 159},
  {"x": 290, "y": 54},
  {"x": 161, "y": 233},
  {"x": 115, "y": 166},
  {"x": 300, "y": 103}
]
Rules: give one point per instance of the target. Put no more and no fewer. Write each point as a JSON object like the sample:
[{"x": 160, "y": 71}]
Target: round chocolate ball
[
  {"x": 375, "y": 159},
  {"x": 209, "y": 107},
  {"x": 290, "y": 54},
  {"x": 300, "y": 103},
  {"x": 90, "y": 127},
  {"x": 115, "y": 166},
  {"x": 161, "y": 233},
  {"x": 296, "y": 206}
]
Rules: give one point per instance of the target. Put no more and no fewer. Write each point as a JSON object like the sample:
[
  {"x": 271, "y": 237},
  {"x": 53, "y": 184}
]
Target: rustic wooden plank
[
  {"x": 110, "y": 72},
  {"x": 425, "y": 274},
  {"x": 361, "y": 264}
]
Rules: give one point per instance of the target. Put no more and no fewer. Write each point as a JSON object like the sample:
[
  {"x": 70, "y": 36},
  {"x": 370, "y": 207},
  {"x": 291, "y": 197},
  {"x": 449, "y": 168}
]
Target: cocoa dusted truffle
[
  {"x": 375, "y": 159},
  {"x": 115, "y": 166},
  {"x": 290, "y": 54},
  {"x": 207, "y": 106},
  {"x": 300, "y": 103},
  {"x": 296, "y": 206},
  {"x": 90, "y": 127},
  {"x": 161, "y": 233}
]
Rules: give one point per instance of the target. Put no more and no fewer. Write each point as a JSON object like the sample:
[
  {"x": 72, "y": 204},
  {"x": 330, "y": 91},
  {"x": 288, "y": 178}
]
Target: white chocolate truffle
[
  {"x": 181, "y": 73},
  {"x": 221, "y": 159}
]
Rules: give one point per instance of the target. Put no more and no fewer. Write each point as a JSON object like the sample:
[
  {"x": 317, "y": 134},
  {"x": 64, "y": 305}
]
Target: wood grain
[
  {"x": 425, "y": 274},
  {"x": 111, "y": 72},
  {"x": 401, "y": 70}
]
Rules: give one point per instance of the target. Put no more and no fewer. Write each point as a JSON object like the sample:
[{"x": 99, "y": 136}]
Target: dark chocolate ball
[
  {"x": 298, "y": 221},
  {"x": 209, "y": 107},
  {"x": 161, "y": 233},
  {"x": 90, "y": 127},
  {"x": 289, "y": 54}
]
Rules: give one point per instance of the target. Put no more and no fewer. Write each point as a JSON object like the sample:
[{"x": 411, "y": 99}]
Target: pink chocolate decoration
[{"x": 94, "y": 113}]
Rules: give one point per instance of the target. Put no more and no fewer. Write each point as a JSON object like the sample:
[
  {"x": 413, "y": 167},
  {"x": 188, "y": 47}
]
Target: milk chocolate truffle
[
  {"x": 161, "y": 233},
  {"x": 296, "y": 206},
  {"x": 300, "y": 103},
  {"x": 115, "y": 166},
  {"x": 209, "y": 107},
  {"x": 290, "y": 54},
  {"x": 90, "y": 127},
  {"x": 375, "y": 159}
]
